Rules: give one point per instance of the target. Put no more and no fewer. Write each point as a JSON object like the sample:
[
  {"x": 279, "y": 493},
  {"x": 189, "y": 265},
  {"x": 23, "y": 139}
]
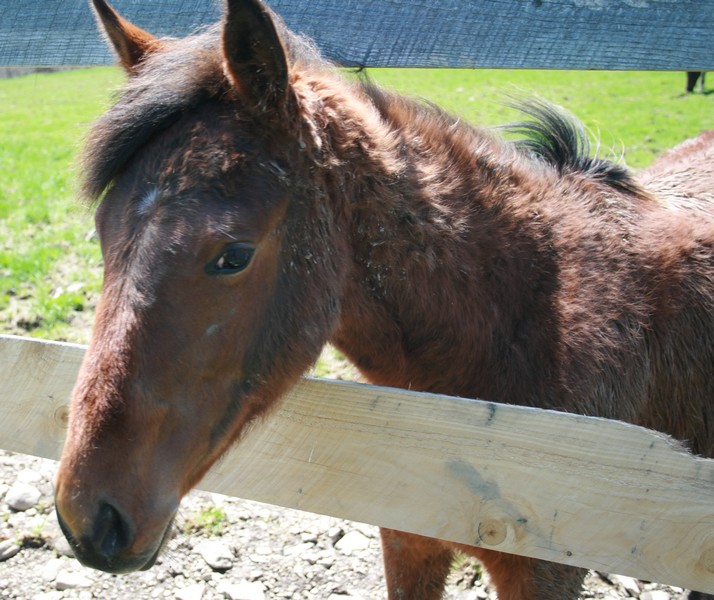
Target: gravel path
[{"x": 223, "y": 548}]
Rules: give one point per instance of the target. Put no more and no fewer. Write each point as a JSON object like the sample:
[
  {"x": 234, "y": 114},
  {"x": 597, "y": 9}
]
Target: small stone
[
  {"x": 335, "y": 534},
  {"x": 15, "y": 520},
  {"x": 259, "y": 559},
  {"x": 354, "y": 541},
  {"x": 22, "y": 496},
  {"x": 246, "y": 590},
  {"x": 35, "y": 524},
  {"x": 326, "y": 562},
  {"x": 29, "y": 476},
  {"x": 298, "y": 549},
  {"x": 262, "y": 554},
  {"x": 191, "y": 592},
  {"x": 369, "y": 531},
  {"x": 52, "y": 568},
  {"x": 54, "y": 595},
  {"x": 70, "y": 580},
  {"x": 217, "y": 555},
  {"x": 219, "y": 499},
  {"x": 8, "y": 549},
  {"x": 61, "y": 546},
  {"x": 629, "y": 584},
  {"x": 655, "y": 595}
]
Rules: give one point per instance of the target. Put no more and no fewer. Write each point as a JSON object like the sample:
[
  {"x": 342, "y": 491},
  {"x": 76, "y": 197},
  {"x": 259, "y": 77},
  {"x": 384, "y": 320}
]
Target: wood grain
[
  {"x": 524, "y": 34},
  {"x": 589, "y": 492}
]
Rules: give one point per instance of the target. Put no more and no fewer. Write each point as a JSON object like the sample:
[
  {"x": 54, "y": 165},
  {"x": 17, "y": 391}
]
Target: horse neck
[{"x": 425, "y": 208}]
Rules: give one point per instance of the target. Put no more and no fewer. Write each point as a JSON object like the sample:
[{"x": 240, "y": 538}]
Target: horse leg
[
  {"x": 521, "y": 578},
  {"x": 415, "y": 567},
  {"x": 692, "y": 77}
]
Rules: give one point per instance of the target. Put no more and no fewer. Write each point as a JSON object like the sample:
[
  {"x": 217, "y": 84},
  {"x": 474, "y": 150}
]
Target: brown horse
[{"x": 257, "y": 205}]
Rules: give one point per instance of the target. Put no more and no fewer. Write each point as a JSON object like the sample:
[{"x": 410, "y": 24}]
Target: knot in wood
[
  {"x": 61, "y": 417},
  {"x": 707, "y": 560},
  {"x": 491, "y": 532}
]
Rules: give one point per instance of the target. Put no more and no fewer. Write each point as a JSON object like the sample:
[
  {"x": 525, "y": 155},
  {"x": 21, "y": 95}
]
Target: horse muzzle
[{"x": 110, "y": 543}]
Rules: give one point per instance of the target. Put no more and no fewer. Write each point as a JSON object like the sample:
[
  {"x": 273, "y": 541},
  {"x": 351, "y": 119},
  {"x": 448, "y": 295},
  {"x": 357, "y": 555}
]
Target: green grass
[
  {"x": 210, "y": 521},
  {"x": 49, "y": 259},
  {"x": 50, "y": 265}
]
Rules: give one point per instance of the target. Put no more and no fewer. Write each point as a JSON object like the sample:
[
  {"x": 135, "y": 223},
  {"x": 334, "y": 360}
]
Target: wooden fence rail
[
  {"x": 578, "y": 490},
  {"x": 582, "y": 491}
]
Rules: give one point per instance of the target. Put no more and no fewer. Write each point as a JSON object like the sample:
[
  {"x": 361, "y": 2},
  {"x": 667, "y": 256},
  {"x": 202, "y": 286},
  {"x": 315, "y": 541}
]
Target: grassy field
[
  {"x": 50, "y": 265},
  {"x": 49, "y": 260}
]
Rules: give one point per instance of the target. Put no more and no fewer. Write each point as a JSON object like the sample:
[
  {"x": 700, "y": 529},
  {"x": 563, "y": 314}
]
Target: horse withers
[{"x": 255, "y": 205}]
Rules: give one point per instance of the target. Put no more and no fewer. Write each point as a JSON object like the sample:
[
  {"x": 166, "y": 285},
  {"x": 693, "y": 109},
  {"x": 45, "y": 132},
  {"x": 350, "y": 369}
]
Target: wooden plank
[
  {"x": 530, "y": 34},
  {"x": 589, "y": 492}
]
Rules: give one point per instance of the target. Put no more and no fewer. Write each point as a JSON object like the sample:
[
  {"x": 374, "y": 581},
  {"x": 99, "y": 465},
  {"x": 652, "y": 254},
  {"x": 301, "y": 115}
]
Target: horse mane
[
  {"x": 550, "y": 136},
  {"x": 557, "y": 138},
  {"x": 167, "y": 85}
]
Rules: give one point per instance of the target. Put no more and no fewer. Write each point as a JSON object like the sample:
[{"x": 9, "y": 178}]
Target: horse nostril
[{"x": 112, "y": 533}]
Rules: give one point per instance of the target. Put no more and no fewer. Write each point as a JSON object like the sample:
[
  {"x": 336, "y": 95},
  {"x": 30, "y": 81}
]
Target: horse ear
[
  {"x": 254, "y": 54},
  {"x": 130, "y": 42}
]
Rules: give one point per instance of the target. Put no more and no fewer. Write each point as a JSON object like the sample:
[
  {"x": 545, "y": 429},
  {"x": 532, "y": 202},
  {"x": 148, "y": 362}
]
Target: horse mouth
[
  {"x": 162, "y": 544},
  {"x": 86, "y": 553}
]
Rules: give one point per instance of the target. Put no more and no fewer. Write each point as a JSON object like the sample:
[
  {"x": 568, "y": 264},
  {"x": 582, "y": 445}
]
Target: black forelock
[{"x": 167, "y": 85}]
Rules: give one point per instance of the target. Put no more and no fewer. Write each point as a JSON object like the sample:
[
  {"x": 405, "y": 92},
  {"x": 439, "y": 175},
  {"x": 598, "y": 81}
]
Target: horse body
[
  {"x": 258, "y": 206},
  {"x": 530, "y": 286}
]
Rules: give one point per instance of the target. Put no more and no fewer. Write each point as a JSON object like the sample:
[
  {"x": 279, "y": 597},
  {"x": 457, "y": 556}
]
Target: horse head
[{"x": 221, "y": 275}]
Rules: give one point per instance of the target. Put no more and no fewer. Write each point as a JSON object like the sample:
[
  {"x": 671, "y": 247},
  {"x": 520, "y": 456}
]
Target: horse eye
[{"x": 233, "y": 259}]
